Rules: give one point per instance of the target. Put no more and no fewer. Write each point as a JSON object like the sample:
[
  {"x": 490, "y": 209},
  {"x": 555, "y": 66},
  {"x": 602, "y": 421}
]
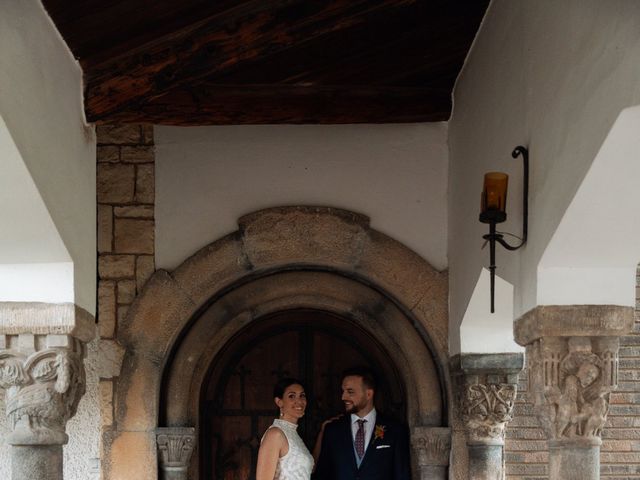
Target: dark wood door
[{"x": 237, "y": 402}]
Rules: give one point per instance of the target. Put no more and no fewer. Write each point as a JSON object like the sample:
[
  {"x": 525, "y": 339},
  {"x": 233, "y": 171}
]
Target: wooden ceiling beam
[
  {"x": 268, "y": 104},
  {"x": 212, "y": 47}
]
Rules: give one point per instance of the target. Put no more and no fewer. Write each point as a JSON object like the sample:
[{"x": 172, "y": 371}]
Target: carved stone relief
[
  {"x": 431, "y": 445},
  {"x": 487, "y": 408},
  {"x": 572, "y": 383},
  {"x": 43, "y": 390}
]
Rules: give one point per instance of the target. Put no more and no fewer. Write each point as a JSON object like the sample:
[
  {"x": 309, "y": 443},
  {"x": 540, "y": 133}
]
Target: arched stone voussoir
[
  {"x": 400, "y": 271},
  {"x": 431, "y": 310},
  {"x": 325, "y": 236},
  {"x": 163, "y": 308},
  {"x": 213, "y": 268}
]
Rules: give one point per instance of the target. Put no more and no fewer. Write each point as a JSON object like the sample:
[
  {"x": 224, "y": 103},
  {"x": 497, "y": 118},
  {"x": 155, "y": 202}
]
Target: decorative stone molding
[
  {"x": 572, "y": 355},
  {"x": 175, "y": 447}
]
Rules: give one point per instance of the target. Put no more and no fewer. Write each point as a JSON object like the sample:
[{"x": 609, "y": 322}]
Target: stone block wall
[
  {"x": 126, "y": 195},
  {"x": 526, "y": 444}
]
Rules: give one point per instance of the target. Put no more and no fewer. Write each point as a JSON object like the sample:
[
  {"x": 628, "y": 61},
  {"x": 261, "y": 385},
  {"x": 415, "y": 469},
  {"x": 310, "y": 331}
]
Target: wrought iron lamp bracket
[{"x": 495, "y": 217}]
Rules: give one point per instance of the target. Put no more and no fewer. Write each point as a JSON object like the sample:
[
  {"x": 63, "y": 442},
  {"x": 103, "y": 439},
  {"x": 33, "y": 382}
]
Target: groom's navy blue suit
[{"x": 386, "y": 458}]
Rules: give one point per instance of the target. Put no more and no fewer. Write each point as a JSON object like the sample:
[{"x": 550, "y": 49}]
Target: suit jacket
[{"x": 386, "y": 457}]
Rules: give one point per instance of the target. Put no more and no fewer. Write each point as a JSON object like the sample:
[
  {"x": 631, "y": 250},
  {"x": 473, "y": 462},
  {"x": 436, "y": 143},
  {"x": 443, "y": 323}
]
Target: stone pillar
[
  {"x": 175, "y": 446},
  {"x": 42, "y": 348},
  {"x": 488, "y": 385},
  {"x": 572, "y": 359},
  {"x": 431, "y": 447}
]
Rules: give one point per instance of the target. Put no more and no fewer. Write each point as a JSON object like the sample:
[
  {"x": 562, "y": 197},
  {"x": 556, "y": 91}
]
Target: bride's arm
[{"x": 274, "y": 445}]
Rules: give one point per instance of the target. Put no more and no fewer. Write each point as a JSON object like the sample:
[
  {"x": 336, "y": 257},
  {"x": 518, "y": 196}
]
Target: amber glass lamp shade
[{"x": 493, "y": 202}]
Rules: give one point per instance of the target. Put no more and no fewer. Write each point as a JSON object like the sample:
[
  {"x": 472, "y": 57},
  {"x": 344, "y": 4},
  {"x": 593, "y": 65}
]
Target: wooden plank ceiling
[{"x": 213, "y": 62}]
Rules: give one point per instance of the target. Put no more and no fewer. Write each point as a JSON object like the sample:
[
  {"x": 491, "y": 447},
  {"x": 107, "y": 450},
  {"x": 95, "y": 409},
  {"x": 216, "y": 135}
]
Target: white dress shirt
[{"x": 369, "y": 425}]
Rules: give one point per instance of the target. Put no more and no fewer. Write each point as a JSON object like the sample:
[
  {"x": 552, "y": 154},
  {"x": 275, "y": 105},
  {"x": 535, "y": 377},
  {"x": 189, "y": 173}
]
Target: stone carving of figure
[
  {"x": 595, "y": 407},
  {"x": 581, "y": 399}
]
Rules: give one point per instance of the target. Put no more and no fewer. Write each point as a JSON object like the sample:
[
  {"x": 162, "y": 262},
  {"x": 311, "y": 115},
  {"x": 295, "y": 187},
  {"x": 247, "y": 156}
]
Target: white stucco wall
[
  {"x": 550, "y": 75},
  {"x": 42, "y": 115},
  {"x": 207, "y": 177}
]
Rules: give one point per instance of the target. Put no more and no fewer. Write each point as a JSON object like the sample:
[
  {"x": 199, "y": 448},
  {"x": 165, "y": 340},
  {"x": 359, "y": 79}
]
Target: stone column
[
  {"x": 572, "y": 359},
  {"x": 431, "y": 447},
  {"x": 175, "y": 446},
  {"x": 42, "y": 347},
  {"x": 488, "y": 385}
]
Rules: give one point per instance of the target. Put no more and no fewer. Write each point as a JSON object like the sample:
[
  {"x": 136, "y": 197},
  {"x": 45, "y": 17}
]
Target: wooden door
[{"x": 237, "y": 402}]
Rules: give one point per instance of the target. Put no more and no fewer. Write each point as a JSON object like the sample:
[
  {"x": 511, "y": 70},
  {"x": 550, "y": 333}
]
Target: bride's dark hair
[{"x": 283, "y": 383}]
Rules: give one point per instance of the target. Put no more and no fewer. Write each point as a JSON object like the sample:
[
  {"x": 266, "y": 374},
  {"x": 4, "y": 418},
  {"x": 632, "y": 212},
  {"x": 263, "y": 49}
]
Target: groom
[{"x": 363, "y": 444}]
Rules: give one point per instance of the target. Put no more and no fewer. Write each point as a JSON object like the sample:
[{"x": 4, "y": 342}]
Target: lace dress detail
[{"x": 297, "y": 464}]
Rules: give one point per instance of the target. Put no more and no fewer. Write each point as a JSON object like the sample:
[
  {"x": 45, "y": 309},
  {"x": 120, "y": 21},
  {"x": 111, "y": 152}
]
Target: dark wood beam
[
  {"x": 268, "y": 104},
  {"x": 211, "y": 47}
]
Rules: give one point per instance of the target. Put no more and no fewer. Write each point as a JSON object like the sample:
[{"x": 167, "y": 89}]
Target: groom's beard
[{"x": 354, "y": 407}]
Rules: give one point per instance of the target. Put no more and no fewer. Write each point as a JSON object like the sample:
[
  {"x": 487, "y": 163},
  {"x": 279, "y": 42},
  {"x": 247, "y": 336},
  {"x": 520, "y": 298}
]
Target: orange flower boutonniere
[{"x": 379, "y": 432}]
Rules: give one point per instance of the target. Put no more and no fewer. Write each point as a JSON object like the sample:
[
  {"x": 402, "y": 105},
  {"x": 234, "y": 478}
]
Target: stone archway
[{"x": 280, "y": 258}]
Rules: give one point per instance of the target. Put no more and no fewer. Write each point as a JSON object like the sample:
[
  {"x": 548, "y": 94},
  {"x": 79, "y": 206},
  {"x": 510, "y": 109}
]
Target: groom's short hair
[{"x": 367, "y": 375}]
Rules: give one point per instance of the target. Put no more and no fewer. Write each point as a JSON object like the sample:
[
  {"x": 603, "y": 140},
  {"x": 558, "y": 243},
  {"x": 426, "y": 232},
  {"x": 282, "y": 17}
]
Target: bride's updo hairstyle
[{"x": 283, "y": 383}]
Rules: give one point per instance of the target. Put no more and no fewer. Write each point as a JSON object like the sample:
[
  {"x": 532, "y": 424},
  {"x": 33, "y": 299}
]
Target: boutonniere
[{"x": 379, "y": 432}]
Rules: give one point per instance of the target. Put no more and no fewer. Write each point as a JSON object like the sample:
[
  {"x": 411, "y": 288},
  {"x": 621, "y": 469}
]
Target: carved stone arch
[{"x": 312, "y": 257}]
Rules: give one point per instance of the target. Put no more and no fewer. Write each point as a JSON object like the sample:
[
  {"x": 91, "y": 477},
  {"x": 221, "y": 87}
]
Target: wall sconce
[{"x": 493, "y": 211}]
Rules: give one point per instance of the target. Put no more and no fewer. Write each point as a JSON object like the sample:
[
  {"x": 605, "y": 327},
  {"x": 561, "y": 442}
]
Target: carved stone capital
[
  {"x": 488, "y": 386},
  {"x": 572, "y": 358},
  {"x": 175, "y": 447},
  {"x": 43, "y": 390},
  {"x": 487, "y": 408},
  {"x": 42, "y": 369},
  {"x": 431, "y": 445}
]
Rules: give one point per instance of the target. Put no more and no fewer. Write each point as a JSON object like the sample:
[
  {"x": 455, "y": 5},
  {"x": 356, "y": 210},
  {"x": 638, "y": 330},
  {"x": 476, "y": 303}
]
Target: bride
[{"x": 283, "y": 455}]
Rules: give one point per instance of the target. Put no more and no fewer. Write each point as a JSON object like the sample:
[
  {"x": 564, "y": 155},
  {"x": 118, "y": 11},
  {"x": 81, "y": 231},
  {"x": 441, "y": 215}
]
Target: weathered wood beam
[
  {"x": 295, "y": 104},
  {"x": 208, "y": 48}
]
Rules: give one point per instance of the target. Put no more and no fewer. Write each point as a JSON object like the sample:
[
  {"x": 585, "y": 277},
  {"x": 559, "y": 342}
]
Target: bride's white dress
[{"x": 297, "y": 464}]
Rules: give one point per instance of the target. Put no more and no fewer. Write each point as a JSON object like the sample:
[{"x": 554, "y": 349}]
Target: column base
[
  {"x": 574, "y": 459},
  {"x": 36, "y": 462}
]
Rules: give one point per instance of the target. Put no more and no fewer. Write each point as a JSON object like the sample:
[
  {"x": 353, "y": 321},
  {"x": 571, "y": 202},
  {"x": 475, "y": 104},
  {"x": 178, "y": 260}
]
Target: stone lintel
[
  {"x": 573, "y": 321},
  {"x": 39, "y": 318}
]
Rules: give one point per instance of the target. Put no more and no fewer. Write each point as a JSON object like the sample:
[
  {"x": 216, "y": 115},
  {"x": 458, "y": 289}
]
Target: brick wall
[
  {"x": 126, "y": 194},
  {"x": 526, "y": 445}
]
